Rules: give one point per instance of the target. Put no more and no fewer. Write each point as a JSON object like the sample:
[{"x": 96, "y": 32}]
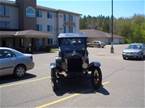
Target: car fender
[{"x": 94, "y": 65}]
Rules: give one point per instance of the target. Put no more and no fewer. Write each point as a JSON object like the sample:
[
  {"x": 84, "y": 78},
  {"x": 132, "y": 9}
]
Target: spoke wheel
[
  {"x": 97, "y": 78},
  {"x": 125, "y": 58},
  {"x": 56, "y": 86},
  {"x": 20, "y": 71}
]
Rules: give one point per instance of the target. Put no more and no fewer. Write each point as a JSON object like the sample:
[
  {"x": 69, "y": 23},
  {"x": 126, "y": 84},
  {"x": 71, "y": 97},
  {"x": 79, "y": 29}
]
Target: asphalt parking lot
[{"x": 123, "y": 85}]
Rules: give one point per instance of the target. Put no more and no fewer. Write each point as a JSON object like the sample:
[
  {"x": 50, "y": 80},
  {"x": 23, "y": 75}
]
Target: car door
[{"x": 7, "y": 62}]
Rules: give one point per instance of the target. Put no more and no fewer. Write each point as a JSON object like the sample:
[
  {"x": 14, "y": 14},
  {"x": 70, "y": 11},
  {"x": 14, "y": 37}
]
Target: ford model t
[{"x": 73, "y": 61}]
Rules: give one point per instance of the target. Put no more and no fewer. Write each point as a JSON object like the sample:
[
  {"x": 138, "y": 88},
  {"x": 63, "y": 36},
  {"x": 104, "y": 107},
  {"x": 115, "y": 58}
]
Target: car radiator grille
[{"x": 74, "y": 64}]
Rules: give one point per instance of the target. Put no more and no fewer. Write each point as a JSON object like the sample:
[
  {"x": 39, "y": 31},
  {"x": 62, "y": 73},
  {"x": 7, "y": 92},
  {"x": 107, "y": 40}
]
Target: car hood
[{"x": 131, "y": 50}]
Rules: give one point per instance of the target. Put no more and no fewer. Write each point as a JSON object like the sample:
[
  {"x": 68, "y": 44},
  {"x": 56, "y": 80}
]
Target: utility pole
[{"x": 112, "y": 48}]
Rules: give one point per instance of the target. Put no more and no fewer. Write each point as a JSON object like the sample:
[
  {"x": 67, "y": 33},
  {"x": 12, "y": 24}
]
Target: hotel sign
[{"x": 30, "y": 12}]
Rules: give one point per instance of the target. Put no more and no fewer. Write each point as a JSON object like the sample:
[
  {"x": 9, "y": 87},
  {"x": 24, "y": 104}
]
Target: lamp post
[{"x": 112, "y": 48}]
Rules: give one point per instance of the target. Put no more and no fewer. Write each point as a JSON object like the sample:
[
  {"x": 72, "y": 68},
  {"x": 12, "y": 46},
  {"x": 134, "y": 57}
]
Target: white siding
[
  {"x": 77, "y": 23},
  {"x": 60, "y": 23},
  {"x": 45, "y": 21}
]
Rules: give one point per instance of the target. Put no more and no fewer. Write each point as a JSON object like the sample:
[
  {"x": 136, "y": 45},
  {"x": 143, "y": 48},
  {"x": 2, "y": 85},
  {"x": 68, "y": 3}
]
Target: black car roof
[{"x": 72, "y": 35}]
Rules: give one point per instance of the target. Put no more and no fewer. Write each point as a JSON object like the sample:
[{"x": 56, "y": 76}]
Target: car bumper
[{"x": 132, "y": 56}]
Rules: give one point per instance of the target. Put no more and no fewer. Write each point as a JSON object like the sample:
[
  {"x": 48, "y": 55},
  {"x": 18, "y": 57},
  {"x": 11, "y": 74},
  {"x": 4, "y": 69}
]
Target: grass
[{"x": 53, "y": 50}]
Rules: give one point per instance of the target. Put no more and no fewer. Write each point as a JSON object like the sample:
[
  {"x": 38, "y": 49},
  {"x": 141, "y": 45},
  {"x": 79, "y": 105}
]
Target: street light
[{"x": 112, "y": 48}]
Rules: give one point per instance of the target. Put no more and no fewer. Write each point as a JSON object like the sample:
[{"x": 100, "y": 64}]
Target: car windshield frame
[
  {"x": 135, "y": 46},
  {"x": 72, "y": 43}
]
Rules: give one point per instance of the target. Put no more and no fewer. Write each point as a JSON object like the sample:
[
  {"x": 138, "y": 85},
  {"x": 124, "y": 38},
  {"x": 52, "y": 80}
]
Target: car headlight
[{"x": 85, "y": 65}]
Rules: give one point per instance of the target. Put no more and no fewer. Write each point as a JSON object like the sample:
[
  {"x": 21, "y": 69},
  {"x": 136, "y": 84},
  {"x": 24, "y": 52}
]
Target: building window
[
  {"x": 64, "y": 18},
  {"x": 71, "y": 29},
  {"x": 49, "y": 15},
  {"x": 4, "y": 11},
  {"x": 4, "y": 24},
  {"x": 30, "y": 12},
  {"x": 71, "y": 18},
  {"x": 64, "y": 29},
  {"x": 49, "y": 28},
  {"x": 39, "y": 27},
  {"x": 50, "y": 41},
  {"x": 39, "y": 13},
  {"x": 7, "y": 13}
]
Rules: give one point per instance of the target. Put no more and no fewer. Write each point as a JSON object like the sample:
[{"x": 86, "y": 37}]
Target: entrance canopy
[{"x": 25, "y": 33}]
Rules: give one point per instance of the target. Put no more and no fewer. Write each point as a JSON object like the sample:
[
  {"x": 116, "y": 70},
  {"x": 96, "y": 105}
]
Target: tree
[{"x": 132, "y": 29}]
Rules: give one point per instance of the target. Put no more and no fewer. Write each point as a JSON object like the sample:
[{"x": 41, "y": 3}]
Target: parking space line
[
  {"x": 58, "y": 101},
  {"x": 23, "y": 82},
  {"x": 105, "y": 83},
  {"x": 64, "y": 98}
]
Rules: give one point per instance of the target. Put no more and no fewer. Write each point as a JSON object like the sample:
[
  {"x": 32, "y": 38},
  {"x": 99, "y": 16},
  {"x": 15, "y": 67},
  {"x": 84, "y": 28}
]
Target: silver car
[
  {"x": 98, "y": 44},
  {"x": 14, "y": 62},
  {"x": 135, "y": 51}
]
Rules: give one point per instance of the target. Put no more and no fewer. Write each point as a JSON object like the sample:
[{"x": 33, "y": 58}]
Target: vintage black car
[{"x": 73, "y": 61}]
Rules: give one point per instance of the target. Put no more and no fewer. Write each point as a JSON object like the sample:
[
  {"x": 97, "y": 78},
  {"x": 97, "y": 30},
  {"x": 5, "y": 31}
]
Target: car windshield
[
  {"x": 136, "y": 46},
  {"x": 75, "y": 43}
]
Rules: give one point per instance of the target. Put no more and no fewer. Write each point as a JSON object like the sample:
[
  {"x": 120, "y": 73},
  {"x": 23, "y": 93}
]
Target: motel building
[{"x": 26, "y": 26}]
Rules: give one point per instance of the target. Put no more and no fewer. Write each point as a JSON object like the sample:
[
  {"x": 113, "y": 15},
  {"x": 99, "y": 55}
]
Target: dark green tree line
[{"x": 132, "y": 29}]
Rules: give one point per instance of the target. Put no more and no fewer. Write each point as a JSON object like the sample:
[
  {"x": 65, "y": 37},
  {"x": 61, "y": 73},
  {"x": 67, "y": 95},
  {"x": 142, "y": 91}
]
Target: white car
[
  {"x": 98, "y": 44},
  {"x": 14, "y": 62},
  {"x": 134, "y": 50}
]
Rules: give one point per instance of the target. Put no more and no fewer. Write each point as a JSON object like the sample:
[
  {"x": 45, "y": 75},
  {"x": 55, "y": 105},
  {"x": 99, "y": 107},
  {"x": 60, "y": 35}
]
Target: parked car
[
  {"x": 14, "y": 62},
  {"x": 135, "y": 51},
  {"x": 98, "y": 44}
]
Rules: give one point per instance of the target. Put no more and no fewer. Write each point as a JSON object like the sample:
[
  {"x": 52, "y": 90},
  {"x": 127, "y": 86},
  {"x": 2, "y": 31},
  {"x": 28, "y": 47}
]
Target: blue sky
[{"x": 122, "y": 8}]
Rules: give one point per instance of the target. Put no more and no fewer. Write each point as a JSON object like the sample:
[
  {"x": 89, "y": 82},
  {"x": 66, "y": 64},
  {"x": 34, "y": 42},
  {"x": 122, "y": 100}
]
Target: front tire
[
  {"x": 125, "y": 58},
  {"x": 97, "y": 78},
  {"x": 142, "y": 57},
  {"x": 20, "y": 71},
  {"x": 56, "y": 86}
]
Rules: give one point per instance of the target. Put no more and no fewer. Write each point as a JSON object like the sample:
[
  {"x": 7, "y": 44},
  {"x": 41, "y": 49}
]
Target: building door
[
  {"x": 40, "y": 43},
  {"x": 4, "y": 44},
  {"x": 34, "y": 44}
]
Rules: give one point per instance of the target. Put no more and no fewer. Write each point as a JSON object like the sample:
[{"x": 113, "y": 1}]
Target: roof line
[{"x": 40, "y": 7}]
